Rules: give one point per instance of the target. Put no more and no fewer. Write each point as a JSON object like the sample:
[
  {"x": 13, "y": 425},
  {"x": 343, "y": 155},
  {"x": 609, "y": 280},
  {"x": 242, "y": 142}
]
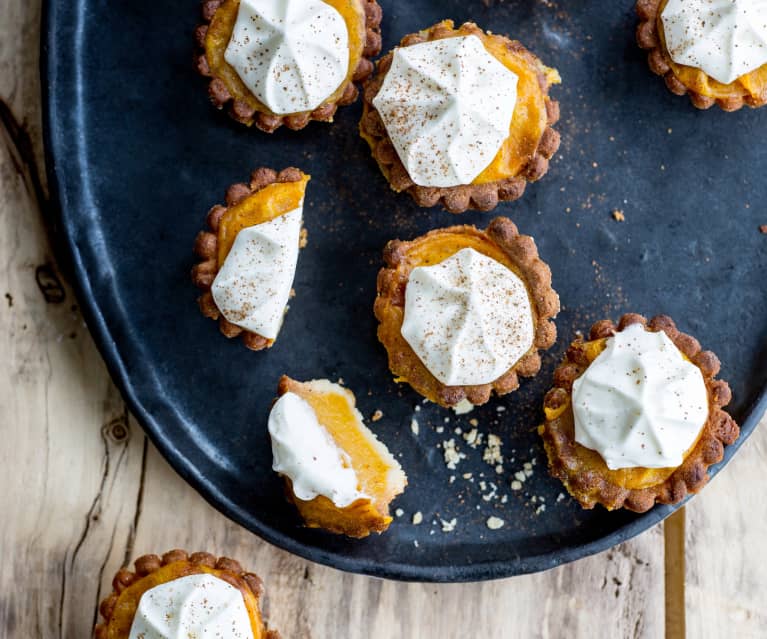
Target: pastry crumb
[
  {"x": 449, "y": 526},
  {"x": 492, "y": 454},
  {"x": 618, "y": 215},
  {"x": 417, "y": 518},
  {"x": 399, "y": 512},
  {"x": 414, "y": 426},
  {"x": 494, "y": 523},
  {"x": 451, "y": 454},
  {"x": 463, "y": 407},
  {"x": 560, "y": 497},
  {"x": 303, "y": 238},
  {"x": 516, "y": 485},
  {"x": 378, "y": 414}
]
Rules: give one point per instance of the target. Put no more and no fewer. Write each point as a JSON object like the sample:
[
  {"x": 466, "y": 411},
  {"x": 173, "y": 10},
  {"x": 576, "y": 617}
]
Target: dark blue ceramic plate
[{"x": 137, "y": 155}]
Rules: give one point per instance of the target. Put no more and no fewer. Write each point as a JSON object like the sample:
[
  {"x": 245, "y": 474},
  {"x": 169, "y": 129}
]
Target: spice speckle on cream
[
  {"x": 252, "y": 288},
  {"x": 724, "y": 38},
  {"x": 468, "y": 318},
  {"x": 447, "y": 106},
  {"x": 291, "y": 54},
  {"x": 193, "y": 606},
  {"x": 640, "y": 403}
]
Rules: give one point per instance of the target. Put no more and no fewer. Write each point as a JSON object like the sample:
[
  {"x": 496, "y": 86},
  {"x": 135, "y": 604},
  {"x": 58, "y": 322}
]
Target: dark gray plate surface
[{"x": 137, "y": 155}]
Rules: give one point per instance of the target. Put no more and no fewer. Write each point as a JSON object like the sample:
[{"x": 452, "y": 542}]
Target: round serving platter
[{"x": 136, "y": 156}]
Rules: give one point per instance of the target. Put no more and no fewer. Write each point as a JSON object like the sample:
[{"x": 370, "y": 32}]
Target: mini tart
[
  {"x": 226, "y": 89},
  {"x": 749, "y": 89},
  {"x": 119, "y": 608},
  {"x": 336, "y": 411},
  {"x": 524, "y": 156},
  {"x": 246, "y": 205},
  {"x": 500, "y": 241},
  {"x": 584, "y": 472}
]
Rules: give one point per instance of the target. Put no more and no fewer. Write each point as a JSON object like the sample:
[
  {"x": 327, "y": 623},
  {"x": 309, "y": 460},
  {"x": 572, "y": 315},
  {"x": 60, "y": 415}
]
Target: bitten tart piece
[
  {"x": 249, "y": 254},
  {"x": 635, "y": 416},
  {"x": 286, "y": 62},
  {"x": 463, "y": 312},
  {"x": 460, "y": 117},
  {"x": 184, "y": 595},
  {"x": 713, "y": 50},
  {"x": 336, "y": 472}
]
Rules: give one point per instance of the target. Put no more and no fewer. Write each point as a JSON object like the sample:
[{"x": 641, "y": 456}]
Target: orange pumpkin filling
[
  {"x": 220, "y": 33},
  {"x": 752, "y": 84},
  {"x": 262, "y": 206},
  {"x": 427, "y": 251},
  {"x": 529, "y": 120},
  {"x": 128, "y": 601},
  {"x": 631, "y": 478},
  {"x": 335, "y": 410}
]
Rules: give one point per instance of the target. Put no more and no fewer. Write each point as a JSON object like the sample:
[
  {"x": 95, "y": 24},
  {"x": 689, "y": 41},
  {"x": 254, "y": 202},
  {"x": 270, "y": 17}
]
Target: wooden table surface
[{"x": 84, "y": 492}]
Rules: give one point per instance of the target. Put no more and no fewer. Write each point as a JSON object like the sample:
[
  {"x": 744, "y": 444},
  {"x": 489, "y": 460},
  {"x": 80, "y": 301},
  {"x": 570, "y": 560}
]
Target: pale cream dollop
[
  {"x": 193, "y": 606},
  {"x": 252, "y": 288},
  {"x": 640, "y": 402},
  {"x": 447, "y": 107},
  {"x": 468, "y": 318},
  {"x": 724, "y": 38},
  {"x": 305, "y": 452},
  {"x": 291, "y": 54}
]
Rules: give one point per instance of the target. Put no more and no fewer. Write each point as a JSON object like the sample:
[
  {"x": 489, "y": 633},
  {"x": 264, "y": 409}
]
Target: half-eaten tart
[
  {"x": 714, "y": 51},
  {"x": 337, "y": 473},
  {"x": 460, "y": 117},
  {"x": 249, "y": 254},
  {"x": 286, "y": 61},
  {"x": 463, "y": 312},
  {"x": 635, "y": 415},
  {"x": 184, "y": 595}
]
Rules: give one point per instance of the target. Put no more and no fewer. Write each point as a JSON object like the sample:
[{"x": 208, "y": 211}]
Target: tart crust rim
[
  {"x": 267, "y": 121},
  {"x": 718, "y": 431},
  {"x": 659, "y": 61},
  {"x": 206, "y": 249},
  {"x": 456, "y": 199},
  {"x": 535, "y": 274},
  {"x": 145, "y": 565}
]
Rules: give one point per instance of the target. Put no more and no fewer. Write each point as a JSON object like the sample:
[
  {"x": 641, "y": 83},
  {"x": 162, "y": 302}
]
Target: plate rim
[{"x": 60, "y": 212}]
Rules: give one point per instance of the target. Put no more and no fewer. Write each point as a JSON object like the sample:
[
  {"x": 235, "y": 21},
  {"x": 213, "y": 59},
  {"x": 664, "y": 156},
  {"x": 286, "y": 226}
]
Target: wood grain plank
[
  {"x": 86, "y": 493},
  {"x": 726, "y": 551}
]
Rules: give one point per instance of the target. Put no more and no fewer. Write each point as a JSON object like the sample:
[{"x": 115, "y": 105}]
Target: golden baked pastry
[
  {"x": 523, "y": 157},
  {"x": 500, "y": 242},
  {"x": 227, "y": 89},
  {"x": 584, "y": 472},
  {"x": 376, "y": 477},
  {"x": 268, "y": 196},
  {"x": 704, "y": 91},
  {"x": 119, "y": 609}
]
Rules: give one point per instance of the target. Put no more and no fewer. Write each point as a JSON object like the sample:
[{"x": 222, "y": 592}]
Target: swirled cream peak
[
  {"x": 640, "y": 403},
  {"x": 252, "y": 287},
  {"x": 193, "y": 606},
  {"x": 305, "y": 452},
  {"x": 447, "y": 107},
  {"x": 291, "y": 54},
  {"x": 724, "y": 38},
  {"x": 468, "y": 318}
]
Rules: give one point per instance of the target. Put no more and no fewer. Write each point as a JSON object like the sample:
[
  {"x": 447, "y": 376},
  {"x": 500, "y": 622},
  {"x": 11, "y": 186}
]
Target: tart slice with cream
[
  {"x": 184, "y": 595},
  {"x": 713, "y": 50},
  {"x": 275, "y": 62},
  {"x": 337, "y": 473},
  {"x": 249, "y": 255},
  {"x": 461, "y": 117},
  {"x": 635, "y": 416},
  {"x": 463, "y": 312}
]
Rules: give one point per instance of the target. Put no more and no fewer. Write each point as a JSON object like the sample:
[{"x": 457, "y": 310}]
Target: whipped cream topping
[
  {"x": 291, "y": 54},
  {"x": 305, "y": 452},
  {"x": 194, "y": 606},
  {"x": 724, "y": 38},
  {"x": 468, "y": 318},
  {"x": 640, "y": 402},
  {"x": 252, "y": 288},
  {"x": 447, "y": 106}
]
